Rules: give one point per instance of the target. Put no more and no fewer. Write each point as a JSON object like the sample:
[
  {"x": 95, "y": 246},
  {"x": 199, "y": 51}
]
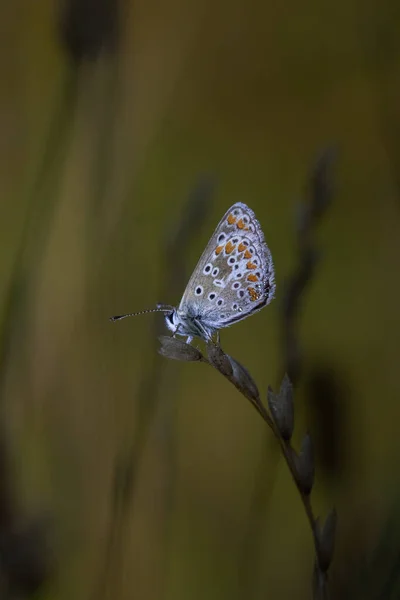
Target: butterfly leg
[
  {"x": 176, "y": 332},
  {"x": 189, "y": 337}
]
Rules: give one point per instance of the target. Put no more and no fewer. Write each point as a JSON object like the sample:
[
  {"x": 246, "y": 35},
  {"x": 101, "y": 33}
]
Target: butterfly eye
[{"x": 199, "y": 290}]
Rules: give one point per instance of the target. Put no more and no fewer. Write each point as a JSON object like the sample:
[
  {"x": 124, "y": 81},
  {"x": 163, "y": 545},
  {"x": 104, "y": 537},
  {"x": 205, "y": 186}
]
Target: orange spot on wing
[
  {"x": 251, "y": 265},
  {"x": 247, "y": 254},
  {"x": 231, "y": 219},
  {"x": 219, "y": 249},
  {"x": 229, "y": 247},
  {"x": 241, "y": 224},
  {"x": 252, "y": 277},
  {"x": 241, "y": 247},
  {"x": 253, "y": 294}
]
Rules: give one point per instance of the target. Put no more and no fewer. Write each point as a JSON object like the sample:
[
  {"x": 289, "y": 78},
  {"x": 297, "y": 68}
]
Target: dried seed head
[
  {"x": 178, "y": 350},
  {"x": 219, "y": 359},
  {"x": 304, "y": 463},
  {"x": 281, "y": 407},
  {"x": 326, "y": 538}
]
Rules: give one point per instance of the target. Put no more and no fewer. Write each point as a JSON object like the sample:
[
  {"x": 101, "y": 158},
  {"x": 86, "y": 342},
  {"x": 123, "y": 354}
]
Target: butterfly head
[
  {"x": 172, "y": 320},
  {"x": 186, "y": 324}
]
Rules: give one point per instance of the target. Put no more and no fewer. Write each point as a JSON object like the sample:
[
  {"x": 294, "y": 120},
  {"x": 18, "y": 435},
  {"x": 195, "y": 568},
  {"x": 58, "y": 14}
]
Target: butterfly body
[{"x": 233, "y": 279}]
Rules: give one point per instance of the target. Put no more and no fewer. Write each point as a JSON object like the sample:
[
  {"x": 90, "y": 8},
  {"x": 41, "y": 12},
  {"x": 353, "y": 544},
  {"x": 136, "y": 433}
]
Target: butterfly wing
[{"x": 234, "y": 276}]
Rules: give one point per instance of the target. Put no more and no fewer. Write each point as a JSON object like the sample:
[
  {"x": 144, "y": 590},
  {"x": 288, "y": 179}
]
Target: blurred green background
[{"x": 157, "y": 479}]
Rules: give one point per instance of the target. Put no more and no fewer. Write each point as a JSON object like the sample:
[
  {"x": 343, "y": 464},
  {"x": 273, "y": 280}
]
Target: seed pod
[
  {"x": 304, "y": 463},
  {"x": 326, "y": 536},
  {"x": 178, "y": 350},
  {"x": 219, "y": 359},
  {"x": 244, "y": 381}
]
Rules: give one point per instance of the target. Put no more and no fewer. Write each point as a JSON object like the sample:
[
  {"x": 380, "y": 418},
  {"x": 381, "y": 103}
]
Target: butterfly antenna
[{"x": 160, "y": 308}]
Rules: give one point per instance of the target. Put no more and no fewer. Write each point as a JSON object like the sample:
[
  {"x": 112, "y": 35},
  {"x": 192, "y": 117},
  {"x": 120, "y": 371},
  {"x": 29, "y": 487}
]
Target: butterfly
[{"x": 233, "y": 279}]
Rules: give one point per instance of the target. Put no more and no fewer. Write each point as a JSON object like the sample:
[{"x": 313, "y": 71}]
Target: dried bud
[
  {"x": 321, "y": 181},
  {"x": 219, "y": 359},
  {"x": 27, "y": 556},
  {"x": 281, "y": 407},
  {"x": 326, "y": 538},
  {"x": 178, "y": 350},
  {"x": 305, "y": 465},
  {"x": 88, "y": 27},
  {"x": 244, "y": 381}
]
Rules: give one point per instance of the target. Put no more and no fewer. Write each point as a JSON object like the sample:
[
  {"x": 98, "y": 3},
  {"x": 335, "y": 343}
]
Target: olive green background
[{"x": 97, "y": 162}]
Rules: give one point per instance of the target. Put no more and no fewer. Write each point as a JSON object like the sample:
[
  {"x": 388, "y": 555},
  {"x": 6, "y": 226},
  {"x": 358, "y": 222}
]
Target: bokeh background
[{"x": 126, "y": 131}]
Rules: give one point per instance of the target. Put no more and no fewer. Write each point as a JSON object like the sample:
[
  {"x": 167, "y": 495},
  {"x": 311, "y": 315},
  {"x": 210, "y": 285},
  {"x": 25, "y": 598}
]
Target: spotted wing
[{"x": 235, "y": 275}]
